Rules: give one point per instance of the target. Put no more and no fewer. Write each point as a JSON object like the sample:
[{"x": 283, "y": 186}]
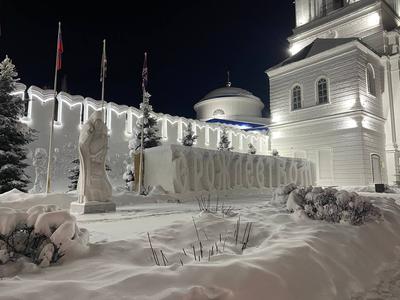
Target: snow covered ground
[{"x": 286, "y": 257}]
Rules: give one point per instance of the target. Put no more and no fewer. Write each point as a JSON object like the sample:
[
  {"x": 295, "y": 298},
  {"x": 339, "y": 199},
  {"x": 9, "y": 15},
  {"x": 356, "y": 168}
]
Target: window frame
[
  {"x": 291, "y": 97},
  {"x": 328, "y": 90},
  {"x": 371, "y": 68}
]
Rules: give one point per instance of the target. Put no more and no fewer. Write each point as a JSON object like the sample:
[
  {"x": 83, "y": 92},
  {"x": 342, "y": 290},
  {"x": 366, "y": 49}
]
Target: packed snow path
[{"x": 286, "y": 258}]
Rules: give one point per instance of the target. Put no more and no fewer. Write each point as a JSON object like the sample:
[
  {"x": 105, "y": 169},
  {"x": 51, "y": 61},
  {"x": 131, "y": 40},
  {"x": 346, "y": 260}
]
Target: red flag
[{"x": 60, "y": 49}]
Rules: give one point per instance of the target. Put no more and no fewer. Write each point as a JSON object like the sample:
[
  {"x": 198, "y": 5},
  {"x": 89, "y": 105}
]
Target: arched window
[
  {"x": 322, "y": 91},
  {"x": 371, "y": 80},
  {"x": 218, "y": 113},
  {"x": 296, "y": 97}
]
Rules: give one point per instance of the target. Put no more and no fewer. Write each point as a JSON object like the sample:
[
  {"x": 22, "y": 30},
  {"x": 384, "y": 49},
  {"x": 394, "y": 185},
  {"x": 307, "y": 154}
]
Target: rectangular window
[
  {"x": 82, "y": 113},
  {"x": 56, "y": 110}
]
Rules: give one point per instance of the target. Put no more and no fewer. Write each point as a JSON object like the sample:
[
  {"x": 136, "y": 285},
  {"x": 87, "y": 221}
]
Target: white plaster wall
[{"x": 350, "y": 144}]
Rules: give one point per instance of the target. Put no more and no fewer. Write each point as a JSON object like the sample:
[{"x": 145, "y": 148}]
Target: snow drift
[{"x": 287, "y": 257}]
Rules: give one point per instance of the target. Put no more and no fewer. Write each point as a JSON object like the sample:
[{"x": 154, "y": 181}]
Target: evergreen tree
[
  {"x": 252, "y": 149},
  {"x": 74, "y": 174},
  {"x": 189, "y": 137},
  {"x": 224, "y": 143},
  {"x": 150, "y": 128},
  {"x": 14, "y": 135}
]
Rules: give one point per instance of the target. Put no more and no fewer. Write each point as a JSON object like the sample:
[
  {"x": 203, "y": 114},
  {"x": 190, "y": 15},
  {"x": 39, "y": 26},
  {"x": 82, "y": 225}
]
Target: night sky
[{"x": 190, "y": 44}]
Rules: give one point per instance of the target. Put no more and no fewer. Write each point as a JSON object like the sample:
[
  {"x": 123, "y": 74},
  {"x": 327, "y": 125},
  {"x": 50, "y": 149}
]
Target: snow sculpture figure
[
  {"x": 39, "y": 162},
  {"x": 94, "y": 188}
]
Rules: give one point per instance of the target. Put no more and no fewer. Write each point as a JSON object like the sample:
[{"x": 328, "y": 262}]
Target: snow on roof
[
  {"x": 316, "y": 47},
  {"x": 229, "y": 91}
]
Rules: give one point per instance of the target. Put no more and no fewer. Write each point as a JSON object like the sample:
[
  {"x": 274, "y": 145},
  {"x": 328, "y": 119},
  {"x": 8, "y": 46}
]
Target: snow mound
[
  {"x": 329, "y": 205},
  {"x": 43, "y": 234}
]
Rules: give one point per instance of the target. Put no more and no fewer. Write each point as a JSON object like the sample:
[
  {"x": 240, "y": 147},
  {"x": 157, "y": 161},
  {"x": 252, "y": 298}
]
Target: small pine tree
[
  {"x": 252, "y": 149},
  {"x": 189, "y": 137},
  {"x": 224, "y": 143},
  {"x": 150, "y": 128},
  {"x": 14, "y": 135},
  {"x": 74, "y": 174}
]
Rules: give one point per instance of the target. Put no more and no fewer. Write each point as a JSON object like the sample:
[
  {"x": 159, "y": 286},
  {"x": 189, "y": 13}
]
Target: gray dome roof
[{"x": 229, "y": 91}]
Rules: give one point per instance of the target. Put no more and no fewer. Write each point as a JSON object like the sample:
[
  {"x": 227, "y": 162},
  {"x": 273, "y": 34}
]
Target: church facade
[{"x": 336, "y": 100}]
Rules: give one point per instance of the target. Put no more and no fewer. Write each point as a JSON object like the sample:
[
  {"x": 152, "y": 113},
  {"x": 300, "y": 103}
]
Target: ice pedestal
[{"x": 92, "y": 207}]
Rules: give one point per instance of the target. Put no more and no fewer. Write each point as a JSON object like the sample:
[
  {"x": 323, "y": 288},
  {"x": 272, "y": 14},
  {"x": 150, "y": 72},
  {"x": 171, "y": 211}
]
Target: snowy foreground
[{"x": 285, "y": 258}]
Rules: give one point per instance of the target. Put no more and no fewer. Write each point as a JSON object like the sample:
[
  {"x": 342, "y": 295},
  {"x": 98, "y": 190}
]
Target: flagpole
[
  {"x": 141, "y": 153},
  {"x": 103, "y": 69},
  {"x": 51, "y": 138}
]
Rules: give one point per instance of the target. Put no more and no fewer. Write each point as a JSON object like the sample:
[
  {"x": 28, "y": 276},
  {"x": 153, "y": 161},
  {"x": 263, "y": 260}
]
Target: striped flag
[
  {"x": 103, "y": 73},
  {"x": 60, "y": 48},
  {"x": 145, "y": 73}
]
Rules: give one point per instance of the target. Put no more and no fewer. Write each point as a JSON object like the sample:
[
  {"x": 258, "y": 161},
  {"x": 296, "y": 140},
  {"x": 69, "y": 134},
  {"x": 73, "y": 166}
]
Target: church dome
[
  {"x": 229, "y": 91},
  {"x": 229, "y": 103}
]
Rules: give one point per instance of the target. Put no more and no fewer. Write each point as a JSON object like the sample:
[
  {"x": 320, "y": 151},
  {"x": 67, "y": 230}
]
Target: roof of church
[
  {"x": 229, "y": 91},
  {"x": 317, "y": 46}
]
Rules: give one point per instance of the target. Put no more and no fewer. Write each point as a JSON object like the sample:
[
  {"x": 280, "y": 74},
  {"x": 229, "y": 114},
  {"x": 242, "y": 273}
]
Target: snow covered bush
[
  {"x": 327, "y": 204},
  {"x": 252, "y": 149},
  {"x": 43, "y": 234},
  {"x": 129, "y": 177}
]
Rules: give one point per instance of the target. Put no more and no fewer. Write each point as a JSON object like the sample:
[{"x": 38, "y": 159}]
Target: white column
[
  {"x": 164, "y": 128},
  {"x": 207, "y": 135},
  {"x": 180, "y": 130}
]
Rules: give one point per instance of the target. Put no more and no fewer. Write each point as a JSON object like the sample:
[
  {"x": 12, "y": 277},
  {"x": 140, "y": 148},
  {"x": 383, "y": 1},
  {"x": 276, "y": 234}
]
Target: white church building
[{"x": 334, "y": 102}]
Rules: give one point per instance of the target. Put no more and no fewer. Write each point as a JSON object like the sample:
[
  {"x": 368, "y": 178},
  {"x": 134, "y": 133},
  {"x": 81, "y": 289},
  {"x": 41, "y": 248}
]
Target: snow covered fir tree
[
  {"x": 189, "y": 137},
  {"x": 148, "y": 125},
  {"x": 224, "y": 142},
  {"x": 14, "y": 135},
  {"x": 252, "y": 149}
]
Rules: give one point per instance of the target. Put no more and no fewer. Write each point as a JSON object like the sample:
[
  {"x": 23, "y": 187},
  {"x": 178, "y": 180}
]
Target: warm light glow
[
  {"x": 374, "y": 19},
  {"x": 294, "y": 49}
]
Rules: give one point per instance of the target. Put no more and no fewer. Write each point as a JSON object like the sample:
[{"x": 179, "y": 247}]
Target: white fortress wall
[{"x": 121, "y": 121}]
